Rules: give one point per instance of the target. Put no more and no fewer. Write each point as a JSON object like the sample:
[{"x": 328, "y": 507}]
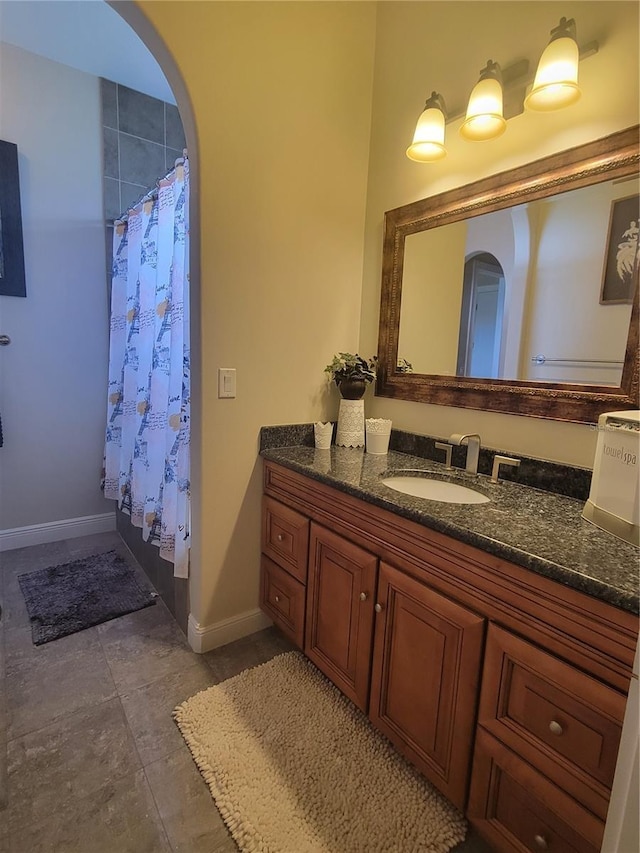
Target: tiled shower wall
[{"x": 142, "y": 138}]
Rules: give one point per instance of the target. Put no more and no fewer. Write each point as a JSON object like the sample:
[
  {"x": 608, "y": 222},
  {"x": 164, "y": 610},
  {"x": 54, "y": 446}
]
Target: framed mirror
[{"x": 519, "y": 293}]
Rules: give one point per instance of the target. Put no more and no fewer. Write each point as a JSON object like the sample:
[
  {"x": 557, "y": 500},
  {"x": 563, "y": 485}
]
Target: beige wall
[
  {"x": 442, "y": 46},
  {"x": 430, "y": 317},
  {"x": 281, "y": 94},
  {"x": 567, "y": 319}
]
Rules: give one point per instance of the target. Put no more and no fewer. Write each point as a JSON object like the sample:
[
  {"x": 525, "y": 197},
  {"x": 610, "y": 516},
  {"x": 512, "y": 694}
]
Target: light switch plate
[{"x": 226, "y": 382}]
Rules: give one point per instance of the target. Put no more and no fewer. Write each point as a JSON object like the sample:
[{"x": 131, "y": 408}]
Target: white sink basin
[{"x": 435, "y": 490}]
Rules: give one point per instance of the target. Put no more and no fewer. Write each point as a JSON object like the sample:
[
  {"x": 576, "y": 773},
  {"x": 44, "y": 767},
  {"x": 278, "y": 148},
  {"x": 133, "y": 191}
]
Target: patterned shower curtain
[{"x": 147, "y": 435}]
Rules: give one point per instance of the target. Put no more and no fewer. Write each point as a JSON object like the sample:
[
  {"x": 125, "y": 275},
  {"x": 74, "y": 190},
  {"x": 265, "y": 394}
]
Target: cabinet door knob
[
  {"x": 555, "y": 728},
  {"x": 277, "y": 598},
  {"x": 541, "y": 842},
  {"x": 363, "y": 596},
  {"x": 378, "y": 608},
  {"x": 280, "y": 537}
]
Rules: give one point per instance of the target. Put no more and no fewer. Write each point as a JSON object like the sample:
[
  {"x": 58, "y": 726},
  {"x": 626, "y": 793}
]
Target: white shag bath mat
[{"x": 294, "y": 767}]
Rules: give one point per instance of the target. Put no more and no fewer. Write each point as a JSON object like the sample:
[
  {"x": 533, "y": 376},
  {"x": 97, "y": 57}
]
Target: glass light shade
[
  {"x": 428, "y": 139},
  {"x": 484, "y": 118},
  {"x": 556, "y": 82}
]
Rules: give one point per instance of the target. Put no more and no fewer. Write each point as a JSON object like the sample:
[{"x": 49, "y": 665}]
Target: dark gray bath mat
[{"x": 68, "y": 598}]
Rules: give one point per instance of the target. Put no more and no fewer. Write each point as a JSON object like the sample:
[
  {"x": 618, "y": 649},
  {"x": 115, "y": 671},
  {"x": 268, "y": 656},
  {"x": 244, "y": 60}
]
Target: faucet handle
[
  {"x": 501, "y": 460},
  {"x": 448, "y": 449}
]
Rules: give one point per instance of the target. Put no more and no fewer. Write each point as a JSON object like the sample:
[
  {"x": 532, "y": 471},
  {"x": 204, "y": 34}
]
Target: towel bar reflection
[{"x": 542, "y": 359}]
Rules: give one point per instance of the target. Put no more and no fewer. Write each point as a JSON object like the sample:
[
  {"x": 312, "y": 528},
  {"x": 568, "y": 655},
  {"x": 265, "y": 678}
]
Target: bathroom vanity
[{"x": 492, "y": 644}]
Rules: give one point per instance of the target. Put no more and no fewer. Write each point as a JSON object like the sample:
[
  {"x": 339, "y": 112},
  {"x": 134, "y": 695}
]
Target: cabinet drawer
[
  {"x": 519, "y": 811},
  {"x": 559, "y": 719},
  {"x": 285, "y": 537},
  {"x": 282, "y": 598}
]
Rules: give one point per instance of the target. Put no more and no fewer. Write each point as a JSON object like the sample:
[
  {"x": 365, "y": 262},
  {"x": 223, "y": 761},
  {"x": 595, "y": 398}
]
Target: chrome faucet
[{"x": 472, "y": 440}]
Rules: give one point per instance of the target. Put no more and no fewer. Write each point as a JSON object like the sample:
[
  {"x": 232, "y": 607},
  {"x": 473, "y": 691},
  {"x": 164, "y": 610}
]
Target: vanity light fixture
[
  {"x": 428, "y": 139},
  {"x": 556, "y": 82},
  {"x": 485, "y": 118},
  {"x": 500, "y": 95}
]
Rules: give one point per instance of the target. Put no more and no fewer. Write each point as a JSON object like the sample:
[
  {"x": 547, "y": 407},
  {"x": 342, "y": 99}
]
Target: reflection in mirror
[
  {"x": 515, "y": 294},
  {"x": 480, "y": 350},
  {"x": 519, "y": 293}
]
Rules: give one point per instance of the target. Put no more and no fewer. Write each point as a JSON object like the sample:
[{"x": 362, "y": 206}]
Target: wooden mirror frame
[{"x": 615, "y": 156}]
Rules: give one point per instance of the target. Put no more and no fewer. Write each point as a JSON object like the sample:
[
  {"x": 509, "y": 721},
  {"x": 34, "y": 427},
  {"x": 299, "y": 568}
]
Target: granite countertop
[{"x": 537, "y": 529}]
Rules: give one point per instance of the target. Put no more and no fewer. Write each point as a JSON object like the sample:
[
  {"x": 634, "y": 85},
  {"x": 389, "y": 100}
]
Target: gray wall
[{"x": 53, "y": 377}]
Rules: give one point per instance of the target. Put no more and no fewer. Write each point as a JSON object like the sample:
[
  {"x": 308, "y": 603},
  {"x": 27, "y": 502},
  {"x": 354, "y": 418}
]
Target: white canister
[
  {"x": 378, "y": 433},
  {"x": 350, "y": 424},
  {"x": 323, "y": 434}
]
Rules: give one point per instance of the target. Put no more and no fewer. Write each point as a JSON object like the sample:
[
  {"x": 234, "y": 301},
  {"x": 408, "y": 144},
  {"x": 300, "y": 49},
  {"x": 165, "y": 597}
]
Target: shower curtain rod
[{"x": 152, "y": 194}]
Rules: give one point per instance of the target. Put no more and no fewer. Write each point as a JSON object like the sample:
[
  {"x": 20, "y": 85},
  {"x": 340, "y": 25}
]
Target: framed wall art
[
  {"x": 12, "y": 278},
  {"x": 621, "y": 258}
]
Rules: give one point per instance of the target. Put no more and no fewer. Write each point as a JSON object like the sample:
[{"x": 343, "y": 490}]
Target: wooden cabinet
[
  {"x": 519, "y": 810},
  {"x": 556, "y": 717},
  {"x": 426, "y": 669},
  {"x": 340, "y": 599},
  {"x": 426, "y": 661},
  {"x": 548, "y": 738},
  {"x": 283, "y": 598},
  {"x": 283, "y": 568},
  {"x": 285, "y": 538},
  {"x": 522, "y": 731}
]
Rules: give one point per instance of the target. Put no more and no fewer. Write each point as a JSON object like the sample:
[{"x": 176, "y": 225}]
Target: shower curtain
[{"x": 147, "y": 435}]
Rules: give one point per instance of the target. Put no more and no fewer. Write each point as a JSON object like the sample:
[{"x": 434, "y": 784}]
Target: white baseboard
[
  {"x": 204, "y": 638},
  {"x": 54, "y": 531}
]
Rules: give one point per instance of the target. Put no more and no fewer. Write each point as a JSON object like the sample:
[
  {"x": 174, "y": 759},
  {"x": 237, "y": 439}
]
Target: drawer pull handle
[
  {"x": 540, "y": 842},
  {"x": 378, "y": 608},
  {"x": 555, "y": 728},
  {"x": 280, "y": 537},
  {"x": 277, "y": 599},
  {"x": 363, "y": 596}
]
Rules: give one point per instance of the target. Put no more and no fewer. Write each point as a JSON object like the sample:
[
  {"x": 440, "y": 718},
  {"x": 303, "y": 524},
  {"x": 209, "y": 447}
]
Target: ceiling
[{"x": 87, "y": 35}]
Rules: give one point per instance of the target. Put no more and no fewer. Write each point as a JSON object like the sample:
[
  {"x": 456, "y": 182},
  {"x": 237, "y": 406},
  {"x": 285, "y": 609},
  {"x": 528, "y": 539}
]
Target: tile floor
[{"x": 90, "y": 759}]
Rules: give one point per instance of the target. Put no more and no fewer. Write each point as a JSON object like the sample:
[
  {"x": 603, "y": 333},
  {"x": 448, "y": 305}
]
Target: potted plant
[{"x": 351, "y": 373}]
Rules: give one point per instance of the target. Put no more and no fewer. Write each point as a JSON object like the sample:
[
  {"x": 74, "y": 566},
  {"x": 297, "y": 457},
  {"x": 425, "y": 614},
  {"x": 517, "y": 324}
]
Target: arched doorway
[
  {"x": 480, "y": 338},
  {"x": 140, "y": 24}
]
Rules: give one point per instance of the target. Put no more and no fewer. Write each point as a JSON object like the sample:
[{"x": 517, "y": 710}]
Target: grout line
[
  {"x": 62, "y": 716},
  {"x": 118, "y": 136},
  {"x": 141, "y": 138},
  {"x": 172, "y": 847},
  {"x": 129, "y": 691}
]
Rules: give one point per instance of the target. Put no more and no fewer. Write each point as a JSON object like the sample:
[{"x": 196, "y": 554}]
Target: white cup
[
  {"x": 323, "y": 434},
  {"x": 378, "y": 432},
  {"x": 322, "y": 460}
]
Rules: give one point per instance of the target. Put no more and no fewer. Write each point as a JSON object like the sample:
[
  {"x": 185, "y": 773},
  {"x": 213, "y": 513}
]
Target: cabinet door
[
  {"x": 340, "y": 598},
  {"x": 426, "y": 670}
]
